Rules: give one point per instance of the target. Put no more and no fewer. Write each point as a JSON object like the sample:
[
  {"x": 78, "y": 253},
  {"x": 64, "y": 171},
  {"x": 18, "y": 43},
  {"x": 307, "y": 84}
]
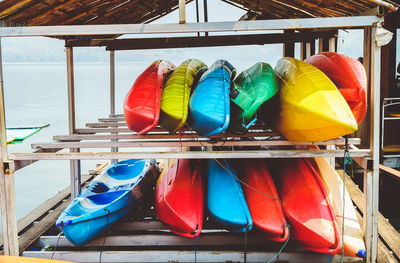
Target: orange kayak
[
  {"x": 349, "y": 75},
  {"x": 10, "y": 259}
]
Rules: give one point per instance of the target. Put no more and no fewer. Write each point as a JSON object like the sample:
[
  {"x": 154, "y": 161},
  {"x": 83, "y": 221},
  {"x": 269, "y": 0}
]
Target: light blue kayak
[
  {"x": 209, "y": 104},
  {"x": 110, "y": 196},
  {"x": 225, "y": 198}
]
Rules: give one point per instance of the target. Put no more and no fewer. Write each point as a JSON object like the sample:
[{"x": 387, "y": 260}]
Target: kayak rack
[{"x": 111, "y": 132}]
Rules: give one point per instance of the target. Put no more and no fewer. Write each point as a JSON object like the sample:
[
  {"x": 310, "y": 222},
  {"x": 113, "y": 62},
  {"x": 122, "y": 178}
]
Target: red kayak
[
  {"x": 179, "y": 197},
  {"x": 348, "y": 75},
  {"x": 142, "y": 104},
  {"x": 305, "y": 202},
  {"x": 266, "y": 211}
]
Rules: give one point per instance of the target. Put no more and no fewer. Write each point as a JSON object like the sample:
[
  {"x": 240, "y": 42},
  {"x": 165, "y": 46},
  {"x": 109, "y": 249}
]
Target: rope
[
  {"x": 347, "y": 161},
  {"x": 283, "y": 246},
  {"x": 55, "y": 248},
  {"x": 105, "y": 234},
  {"x": 245, "y": 245},
  {"x": 195, "y": 247},
  {"x": 245, "y": 184}
]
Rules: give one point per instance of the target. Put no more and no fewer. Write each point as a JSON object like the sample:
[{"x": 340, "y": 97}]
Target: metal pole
[
  {"x": 75, "y": 165},
  {"x": 112, "y": 95},
  {"x": 7, "y": 183},
  {"x": 205, "y": 13},
  {"x": 197, "y": 15}
]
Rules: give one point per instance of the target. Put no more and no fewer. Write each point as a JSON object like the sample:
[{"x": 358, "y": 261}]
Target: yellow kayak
[
  {"x": 10, "y": 259},
  {"x": 353, "y": 238},
  {"x": 176, "y": 92},
  {"x": 312, "y": 108}
]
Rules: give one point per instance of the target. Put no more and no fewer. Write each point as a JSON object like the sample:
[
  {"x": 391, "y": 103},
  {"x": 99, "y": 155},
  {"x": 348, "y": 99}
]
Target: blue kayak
[
  {"x": 110, "y": 196},
  {"x": 225, "y": 198},
  {"x": 209, "y": 104}
]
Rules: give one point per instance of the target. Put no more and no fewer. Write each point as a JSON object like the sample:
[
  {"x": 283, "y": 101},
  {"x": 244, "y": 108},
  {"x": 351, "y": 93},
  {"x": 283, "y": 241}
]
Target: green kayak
[
  {"x": 176, "y": 93},
  {"x": 250, "y": 90}
]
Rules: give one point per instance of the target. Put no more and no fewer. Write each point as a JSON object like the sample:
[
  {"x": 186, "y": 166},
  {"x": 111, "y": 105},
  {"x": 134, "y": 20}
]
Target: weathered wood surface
[
  {"x": 187, "y": 155},
  {"x": 393, "y": 172},
  {"x": 388, "y": 233},
  {"x": 178, "y": 143}
]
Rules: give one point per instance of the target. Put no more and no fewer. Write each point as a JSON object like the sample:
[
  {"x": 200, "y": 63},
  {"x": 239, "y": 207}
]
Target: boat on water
[
  {"x": 353, "y": 240},
  {"x": 263, "y": 200},
  {"x": 142, "y": 103},
  {"x": 225, "y": 198},
  {"x": 176, "y": 93},
  {"x": 349, "y": 76},
  {"x": 209, "y": 103},
  {"x": 306, "y": 205},
  {"x": 109, "y": 197},
  {"x": 12, "y": 259},
  {"x": 179, "y": 197},
  {"x": 250, "y": 90},
  {"x": 311, "y": 107}
]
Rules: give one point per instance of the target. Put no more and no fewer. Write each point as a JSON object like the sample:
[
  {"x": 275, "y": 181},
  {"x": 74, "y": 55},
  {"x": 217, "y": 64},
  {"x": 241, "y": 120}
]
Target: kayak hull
[
  {"x": 306, "y": 206},
  {"x": 142, "y": 103},
  {"x": 311, "y": 107},
  {"x": 250, "y": 90},
  {"x": 176, "y": 93},
  {"x": 353, "y": 238},
  {"x": 110, "y": 196},
  {"x": 179, "y": 201},
  {"x": 225, "y": 197},
  {"x": 349, "y": 75},
  {"x": 209, "y": 103},
  {"x": 265, "y": 209}
]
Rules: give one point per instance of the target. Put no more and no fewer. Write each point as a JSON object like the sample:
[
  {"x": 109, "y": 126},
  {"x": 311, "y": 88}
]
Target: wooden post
[
  {"x": 75, "y": 165},
  {"x": 372, "y": 190},
  {"x": 288, "y": 45},
  {"x": 112, "y": 96},
  {"x": 7, "y": 183},
  {"x": 182, "y": 12},
  {"x": 331, "y": 147},
  {"x": 205, "y": 13}
]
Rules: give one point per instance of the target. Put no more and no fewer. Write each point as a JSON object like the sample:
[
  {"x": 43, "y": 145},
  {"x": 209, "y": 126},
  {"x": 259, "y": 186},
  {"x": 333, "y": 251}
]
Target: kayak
[
  {"x": 209, "y": 103},
  {"x": 179, "y": 201},
  {"x": 353, "y": 238},
  {"x": 263, "y": 199},
  {"x": 142, "y": 103},
  {"x": 250, "y": 90},
  {"x": 110, "y": 196},
  {"x": 176, "y": 93},
  {"x": 11, "y": 259},
  {"x": 349, "y": 76},
  {"x": 306, "y": 205},
  {"x": 311, "y": 107},
  {"x": 225, "y": 197}
]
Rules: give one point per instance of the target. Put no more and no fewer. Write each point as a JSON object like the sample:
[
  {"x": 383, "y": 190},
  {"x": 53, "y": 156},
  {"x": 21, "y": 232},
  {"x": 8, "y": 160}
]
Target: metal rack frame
[
  {"x": 50, "y": 151},
  {"x": 388, "y": 102}
]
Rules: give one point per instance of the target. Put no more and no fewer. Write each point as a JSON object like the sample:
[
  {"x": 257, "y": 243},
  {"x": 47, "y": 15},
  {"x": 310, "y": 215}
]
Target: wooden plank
[
  {"x": 161, "y": 256},
  {"x": 202, "y": 41},
  {"x": 111, "y": 119},
  {"x": 257, "y": 25},
  {"x": 395, "y": 173},
  {"x": 388, "y": 233},
  {"x": 101, "y": 130},
  {"x": 10, "y": 10},
  {"x": 187, "y": 155},
  {"x": 163, "y": 135},
  {"x": 174, "y": 143},
  {"x": 106, "y": 124},
  {"x": 116, "y": 115}
]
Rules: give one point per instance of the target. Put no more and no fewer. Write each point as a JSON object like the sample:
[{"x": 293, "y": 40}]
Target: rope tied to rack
[
  {"x": 105, "y": 234},
  {"x": 347, "y": 161},
  {"x": 195, "y": 247},
  {"x": 286, "y": 224}
]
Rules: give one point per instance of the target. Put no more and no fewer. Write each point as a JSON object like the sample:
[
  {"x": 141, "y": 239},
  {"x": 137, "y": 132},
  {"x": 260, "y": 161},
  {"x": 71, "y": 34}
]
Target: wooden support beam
[
  {"x": 388, "y": 233},
  {"x": 202, "y": 41},
  {"x": 288, "y": 45},
  {"x": 75, "y": 166},
  {"x": 187, "y": 155},
  {"x": 182, "y": 12},
  {"x": 7, "y": 182},
  {"x": 393, "y": 172}
]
